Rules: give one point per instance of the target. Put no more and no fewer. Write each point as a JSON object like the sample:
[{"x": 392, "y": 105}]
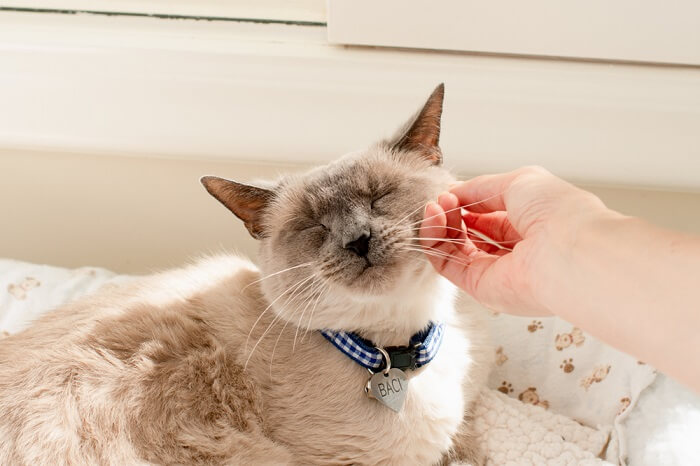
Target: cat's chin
[
  {"x": 371, "y": 279},
  {"x": 376, "y": 280}
]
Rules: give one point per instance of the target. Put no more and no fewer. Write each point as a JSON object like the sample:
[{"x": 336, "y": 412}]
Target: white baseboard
[{"x": 264, "y": 92}]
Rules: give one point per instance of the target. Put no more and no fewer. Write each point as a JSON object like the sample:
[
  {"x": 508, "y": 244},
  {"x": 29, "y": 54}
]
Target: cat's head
[{"x": 341, "y": 239}]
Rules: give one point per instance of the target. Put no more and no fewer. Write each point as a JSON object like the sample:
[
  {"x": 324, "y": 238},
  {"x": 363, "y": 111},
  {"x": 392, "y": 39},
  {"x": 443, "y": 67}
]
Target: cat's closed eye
[
  {"x": 377, "y": 201},
  {"x": 314, "y": 226}
]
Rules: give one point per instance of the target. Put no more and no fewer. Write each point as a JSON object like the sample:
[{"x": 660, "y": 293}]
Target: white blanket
[
  {"x": 659, "y": 426},
  {"x": 515, "y": 433}
]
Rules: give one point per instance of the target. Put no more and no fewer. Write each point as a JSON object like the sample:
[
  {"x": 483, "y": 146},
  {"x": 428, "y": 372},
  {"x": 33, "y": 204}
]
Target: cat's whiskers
[
  {"x": 469, "y": 231},
  {"x": 458, "y": 207},
  {"x": 422, "y": 259},
  {"x": 487, "y": 239},
  {"x": 430, "y": 251},
  {"x": 275, "y": 319},
  {"x": 458, "y": 241},
  {"x": 286, "y": 320},
  {"x": 418, "y": 222},
  {"x": 446, "y": 257},
  {"x": 296, "y": 332},
  {"x": 415, "y": 242},
  {"x": 437, "y": 254},
  {"x": 413, "y": 212},
  {"x": 303, "y": 280},
  {"x": 311, "y": 315},
  {"x": 276, "y": 273},
  {"x": 274, "y": 348}
]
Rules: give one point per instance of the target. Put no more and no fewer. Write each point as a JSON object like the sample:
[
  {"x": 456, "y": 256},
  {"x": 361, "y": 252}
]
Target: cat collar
[{"x": 422, "y": 348}]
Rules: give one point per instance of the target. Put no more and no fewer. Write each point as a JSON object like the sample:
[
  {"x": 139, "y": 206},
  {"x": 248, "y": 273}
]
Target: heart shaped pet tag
[{"x": 389, "y": 388}]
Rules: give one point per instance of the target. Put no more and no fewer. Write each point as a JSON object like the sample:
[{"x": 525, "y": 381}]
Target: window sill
[{"x": 279, "y": 93}]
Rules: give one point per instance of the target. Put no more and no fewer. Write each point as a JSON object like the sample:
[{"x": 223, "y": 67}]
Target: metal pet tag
[{"x": 389, "y": 388}]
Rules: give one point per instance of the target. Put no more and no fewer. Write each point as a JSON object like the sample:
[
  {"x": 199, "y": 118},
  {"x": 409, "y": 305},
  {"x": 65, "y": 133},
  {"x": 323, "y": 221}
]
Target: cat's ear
[
  {"x": 246, "y": 202},
  {"x": 422, "y": 133}
]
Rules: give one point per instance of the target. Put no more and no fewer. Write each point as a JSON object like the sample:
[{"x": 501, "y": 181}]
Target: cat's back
[
  {"x": 92, "y": 375},
  {"x": 209, "y": 287}
]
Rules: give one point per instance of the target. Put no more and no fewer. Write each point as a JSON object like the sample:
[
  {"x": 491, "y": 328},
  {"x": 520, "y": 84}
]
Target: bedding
[{"x": 556, "y": 396}]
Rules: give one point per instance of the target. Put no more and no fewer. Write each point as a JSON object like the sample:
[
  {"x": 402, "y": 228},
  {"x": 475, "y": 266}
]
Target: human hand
[{"x": 533, "y": 216}]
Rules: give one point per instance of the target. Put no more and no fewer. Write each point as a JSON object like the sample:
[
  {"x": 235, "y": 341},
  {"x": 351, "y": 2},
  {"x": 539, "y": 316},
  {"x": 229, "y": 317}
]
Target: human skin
[{"x": 631, "y": 284}]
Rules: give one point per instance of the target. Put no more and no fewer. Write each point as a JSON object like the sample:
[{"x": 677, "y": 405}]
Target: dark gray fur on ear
[
  {"x": 422, "y": 133},
  {"x": 245, "y": 201}
]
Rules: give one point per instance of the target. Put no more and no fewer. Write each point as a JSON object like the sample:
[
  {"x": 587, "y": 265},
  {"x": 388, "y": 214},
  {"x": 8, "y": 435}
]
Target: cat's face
[
  {"x": 354, "y": 221},
  {"x": 350, "y": 226}
]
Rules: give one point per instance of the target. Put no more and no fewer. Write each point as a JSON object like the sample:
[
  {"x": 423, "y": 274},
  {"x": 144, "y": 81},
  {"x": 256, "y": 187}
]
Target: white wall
[
  {"x": 137, "y": 214},
  {"x": 85, "y": 100}
]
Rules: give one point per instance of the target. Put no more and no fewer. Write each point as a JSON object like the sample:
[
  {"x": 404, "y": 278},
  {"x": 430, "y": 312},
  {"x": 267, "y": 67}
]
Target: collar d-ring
[{"x": 387, "y": 359}]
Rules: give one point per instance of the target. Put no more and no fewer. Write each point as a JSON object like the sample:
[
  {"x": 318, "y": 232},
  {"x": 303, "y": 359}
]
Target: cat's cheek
[{"x": 312, "y": 240}]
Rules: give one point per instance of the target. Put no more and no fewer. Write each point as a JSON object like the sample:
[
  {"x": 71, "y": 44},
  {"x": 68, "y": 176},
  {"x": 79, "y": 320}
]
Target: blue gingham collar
[{"x": 422, "y": 348}]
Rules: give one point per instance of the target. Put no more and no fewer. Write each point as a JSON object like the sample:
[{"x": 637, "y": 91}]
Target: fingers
[
  {"x": 442, "y": 221},
  {"x": 432, "y": 229},
  {"x": 495, "y": 225},
  {"x": 487, "y": 246},
  {"x": 455, "y": 227},
  {"x": 453, "y": 259},
  {"x": 452, "y": 226},
  {"x": 487, "y": 193},
  {"x": 483, "y": 193},
  {"x": 443, "y": 235}
]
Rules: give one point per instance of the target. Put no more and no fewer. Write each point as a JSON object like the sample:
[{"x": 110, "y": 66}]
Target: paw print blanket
[{"x": 550, "y": 364}]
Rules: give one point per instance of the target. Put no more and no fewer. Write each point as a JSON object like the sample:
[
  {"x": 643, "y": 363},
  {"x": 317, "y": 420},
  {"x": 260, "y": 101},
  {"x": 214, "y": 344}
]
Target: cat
[{"x": 222, "y": 362}]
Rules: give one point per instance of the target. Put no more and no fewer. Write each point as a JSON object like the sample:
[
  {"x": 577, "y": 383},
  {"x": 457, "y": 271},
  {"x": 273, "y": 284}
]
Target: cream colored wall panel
[
  {"x": 135, "y": 214},
  {"x": 139, "y": 86},
  {"x": 636, "y": 30}
]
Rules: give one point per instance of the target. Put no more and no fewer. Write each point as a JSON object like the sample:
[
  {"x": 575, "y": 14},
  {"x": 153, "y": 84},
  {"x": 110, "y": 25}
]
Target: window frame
[
  {"x": 292, "y": 11},
  {"x": 653, "y": 31}
]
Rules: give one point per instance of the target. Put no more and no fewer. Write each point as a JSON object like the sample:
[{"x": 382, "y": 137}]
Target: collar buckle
[{"x": 401, "y": 357}]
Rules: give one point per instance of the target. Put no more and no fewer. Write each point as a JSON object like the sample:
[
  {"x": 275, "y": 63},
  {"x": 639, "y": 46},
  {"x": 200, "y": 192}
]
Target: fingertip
[
  {"x": 432, "y": 214},
  {"x": 433, "y": 224},
  {"x": 448, "y": 201}
]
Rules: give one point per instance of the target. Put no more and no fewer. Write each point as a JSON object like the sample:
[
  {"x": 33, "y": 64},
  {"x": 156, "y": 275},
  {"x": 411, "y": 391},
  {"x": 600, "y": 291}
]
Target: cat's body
[
  {"x": 153, "y": 372},
  {"x": 216, "y": 364}
]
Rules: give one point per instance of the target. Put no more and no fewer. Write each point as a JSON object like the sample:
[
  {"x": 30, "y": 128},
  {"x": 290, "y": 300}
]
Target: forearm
[{"x": 636, "y": 287}]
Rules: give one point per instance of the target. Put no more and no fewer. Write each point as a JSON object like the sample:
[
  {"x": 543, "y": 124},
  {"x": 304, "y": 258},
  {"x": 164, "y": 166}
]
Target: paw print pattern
[
  {"x": 505, "y": 387},
  {"x": 534, "y": 326},
  {"x": 19, "y": 290},
  {"x": 501, "y": 357},
  {"x": 567, "y": 365},
  {"x": 597, "y": 376}
]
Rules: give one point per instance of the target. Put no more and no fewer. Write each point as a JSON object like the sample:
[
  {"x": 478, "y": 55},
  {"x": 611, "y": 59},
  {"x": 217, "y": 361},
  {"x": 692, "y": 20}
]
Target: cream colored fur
[{"x": 67, "y": 401}]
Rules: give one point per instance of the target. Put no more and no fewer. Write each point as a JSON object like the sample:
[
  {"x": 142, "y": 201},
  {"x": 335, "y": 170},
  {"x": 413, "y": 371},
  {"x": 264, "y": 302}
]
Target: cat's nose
[{"x": 359, "y": 245}]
